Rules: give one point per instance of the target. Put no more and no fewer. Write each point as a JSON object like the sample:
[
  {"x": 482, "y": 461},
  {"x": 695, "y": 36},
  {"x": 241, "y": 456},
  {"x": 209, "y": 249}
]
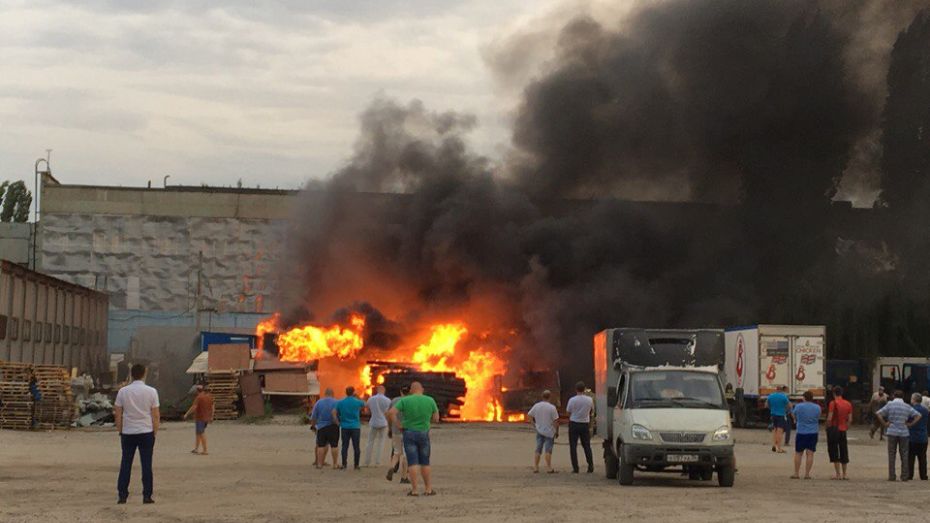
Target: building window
[
  {"x": 14, "y": 328},
  {"x": 2, "y": 327},
  {"x": 27, "y": 330},
  {"x": 57, "y": 333},
  {"x": 66, "y": 335},
  {"x": 48, "y": 332},
  {"x": 38, "y": 333}
]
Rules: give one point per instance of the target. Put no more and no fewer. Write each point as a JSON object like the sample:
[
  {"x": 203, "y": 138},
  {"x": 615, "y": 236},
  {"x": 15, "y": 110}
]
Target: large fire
[{"x": 442, "y": 350}]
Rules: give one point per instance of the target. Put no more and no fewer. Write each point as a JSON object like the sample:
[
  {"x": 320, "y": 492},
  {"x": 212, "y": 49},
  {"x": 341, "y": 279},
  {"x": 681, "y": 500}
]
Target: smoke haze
[{"x": 673, "y": 168}]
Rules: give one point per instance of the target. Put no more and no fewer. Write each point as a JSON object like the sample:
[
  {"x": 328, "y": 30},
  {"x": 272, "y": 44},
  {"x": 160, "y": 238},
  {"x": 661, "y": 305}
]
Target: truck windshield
[{"x": 675, "y": 388}]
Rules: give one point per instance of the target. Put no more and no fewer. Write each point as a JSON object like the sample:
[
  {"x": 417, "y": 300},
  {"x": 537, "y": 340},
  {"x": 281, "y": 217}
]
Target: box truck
[
  {"x": 761, "y": 359},
  {"x": 660, "y": 405}
]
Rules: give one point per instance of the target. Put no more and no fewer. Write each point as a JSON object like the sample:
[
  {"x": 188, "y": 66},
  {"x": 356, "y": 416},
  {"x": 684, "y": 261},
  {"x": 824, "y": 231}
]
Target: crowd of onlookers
[{"x": 904, "y": 426}]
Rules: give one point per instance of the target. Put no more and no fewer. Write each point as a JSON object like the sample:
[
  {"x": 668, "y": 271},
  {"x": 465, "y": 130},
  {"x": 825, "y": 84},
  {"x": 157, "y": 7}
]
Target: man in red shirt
[
  {"x": 839, "y": 417},
  {"x": 202, "y": 407}
]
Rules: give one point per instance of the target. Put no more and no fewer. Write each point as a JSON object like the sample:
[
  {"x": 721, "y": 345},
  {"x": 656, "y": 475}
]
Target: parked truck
[
  {"x": 908, "y": 374},
  {"x": 760, "y": 359},
  {"x": 660, "y": 405}
]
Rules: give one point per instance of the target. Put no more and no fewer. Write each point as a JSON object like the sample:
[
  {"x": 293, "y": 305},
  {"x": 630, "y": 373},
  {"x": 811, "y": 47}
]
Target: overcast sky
[{"x": 127, "y": 91}]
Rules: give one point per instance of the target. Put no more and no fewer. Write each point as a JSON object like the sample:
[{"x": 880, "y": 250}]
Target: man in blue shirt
[
  {"x": 807, "y": 415},
  {"x": 327, "y": 432},
  {"x": 918, "y": 439},
  {"x": 778, "y": 406},
  {"x": 347, "y": 414},
  {"x": 898, "y": 417}
]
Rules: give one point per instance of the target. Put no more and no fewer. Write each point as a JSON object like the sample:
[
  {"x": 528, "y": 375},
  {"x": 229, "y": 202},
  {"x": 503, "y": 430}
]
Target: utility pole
[
  {"x": 199, "y": 302},
  {"x": 35, "y": 202}
]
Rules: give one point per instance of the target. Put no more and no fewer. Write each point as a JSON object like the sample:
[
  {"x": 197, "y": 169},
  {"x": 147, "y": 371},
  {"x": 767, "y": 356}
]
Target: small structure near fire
[{"x": 445, "y": 387}]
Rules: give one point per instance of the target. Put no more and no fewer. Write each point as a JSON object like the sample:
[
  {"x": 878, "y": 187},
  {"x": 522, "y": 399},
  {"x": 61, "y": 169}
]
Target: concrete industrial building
[
  {"x": 201, "y": 257},
  {"x": 45, "y": 320}
]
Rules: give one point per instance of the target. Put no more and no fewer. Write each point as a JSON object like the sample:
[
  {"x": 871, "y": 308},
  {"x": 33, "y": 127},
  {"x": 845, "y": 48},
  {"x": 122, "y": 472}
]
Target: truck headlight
[
  {"x": 722, "y": 434},
  {"x": 641, "y": 432}
]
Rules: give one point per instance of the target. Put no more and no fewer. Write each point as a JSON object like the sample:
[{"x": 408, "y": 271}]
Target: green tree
[{"x": 16, "y": 199}]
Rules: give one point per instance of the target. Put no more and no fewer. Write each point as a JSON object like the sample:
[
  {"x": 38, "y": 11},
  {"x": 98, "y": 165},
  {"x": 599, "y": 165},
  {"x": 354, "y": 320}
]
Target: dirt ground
[{"x": 482, "y": 472}]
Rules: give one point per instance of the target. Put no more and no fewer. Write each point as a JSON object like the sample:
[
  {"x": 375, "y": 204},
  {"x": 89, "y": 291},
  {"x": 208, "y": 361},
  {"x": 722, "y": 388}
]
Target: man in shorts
[
  {"x": 396, "y": 434},
  {"x": 203, "y": 408},
  {"x": 418, "y": 411},
  {"x": 778, "y": 411},
  {"x": 327, "y": 432},
  {"x": 807, "y": 415},
  {"x": 545, "y": 417}
]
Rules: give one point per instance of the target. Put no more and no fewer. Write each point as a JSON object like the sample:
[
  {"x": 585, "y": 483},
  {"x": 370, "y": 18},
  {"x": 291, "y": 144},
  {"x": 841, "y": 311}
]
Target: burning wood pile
[
  {"x": 15, "y": 397},
  {"x": 461, "y": 370},
  {"x": 446, "y": 388}
]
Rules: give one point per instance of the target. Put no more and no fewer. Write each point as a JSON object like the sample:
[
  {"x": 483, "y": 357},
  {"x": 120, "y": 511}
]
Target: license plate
[{"x": 682, "y": 458}]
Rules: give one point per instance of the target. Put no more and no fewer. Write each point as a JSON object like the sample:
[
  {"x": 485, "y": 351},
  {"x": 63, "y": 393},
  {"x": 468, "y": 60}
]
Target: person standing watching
[
  {"x": 418, "y": 411},
  {"x": 777, "y": 403},
  {"x": 545, "y": 417},
  {"x": 327, "y": 432},
  {"x": 878, "y": 401},
  {"x": 896, "y": 417},
  {"x": 202, "y": 407},
  {"x": 807, "y": 414},
  {"x": 347, "y": 415},
  {"x": 917, "y": 444},
  {"x": 839, "y": 418},
  {"x": 137, "y": 418},
  {"x": 579, "y": 408},
  {"x": 378, "y": 405},
  {"x": 396, "y": 433}
]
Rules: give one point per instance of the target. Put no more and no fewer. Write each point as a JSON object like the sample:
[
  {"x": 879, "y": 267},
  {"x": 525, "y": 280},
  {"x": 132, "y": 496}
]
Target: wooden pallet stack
[
  {"x": 445, "y": 387},
  {"x": 55, "y": 409},
  {"x": 15, "y": 398},
  {"x": 225, "y": 390}
]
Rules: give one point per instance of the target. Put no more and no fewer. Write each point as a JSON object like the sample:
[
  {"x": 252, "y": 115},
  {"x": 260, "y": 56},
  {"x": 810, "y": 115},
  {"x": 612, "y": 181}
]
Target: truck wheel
[
  {"x": 707, "y": 473},
  {"x": 726, "y": 475},
  {"x": 625, "y": 471},
  {"x": 611, "y": 464}
]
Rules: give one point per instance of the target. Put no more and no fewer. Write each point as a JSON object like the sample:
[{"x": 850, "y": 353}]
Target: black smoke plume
[{"x": 676, "y": 172}]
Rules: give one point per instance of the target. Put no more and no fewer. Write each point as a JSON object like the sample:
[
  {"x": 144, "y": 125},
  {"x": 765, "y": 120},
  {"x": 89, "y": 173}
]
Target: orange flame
[
  {"x": 270, "y": 324},
  {"x": 308, "y": 343},
  {"x": 516, "y": 417},
  {"x": 478, "y": 368}
]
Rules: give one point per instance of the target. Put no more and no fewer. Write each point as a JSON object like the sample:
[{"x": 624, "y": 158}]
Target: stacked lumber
[
  {"x": 445, "y": 387},
  {"x": 55, "y": 409},
  {"x": 224, "y": 386},
  {"x": 15, "y": 398}
]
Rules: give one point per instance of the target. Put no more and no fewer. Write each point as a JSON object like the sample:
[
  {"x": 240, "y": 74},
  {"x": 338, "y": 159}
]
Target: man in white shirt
[
  {"x": 377, "y": 405},
  {"x": 546, "y": 419},
  {"x": 579, "y": 408},
  {"x": 137, "y": 418}
]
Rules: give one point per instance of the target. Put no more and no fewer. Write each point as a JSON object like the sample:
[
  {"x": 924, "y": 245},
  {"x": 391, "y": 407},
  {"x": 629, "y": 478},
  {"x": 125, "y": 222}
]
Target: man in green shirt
[{"x": 418, "y": 412}]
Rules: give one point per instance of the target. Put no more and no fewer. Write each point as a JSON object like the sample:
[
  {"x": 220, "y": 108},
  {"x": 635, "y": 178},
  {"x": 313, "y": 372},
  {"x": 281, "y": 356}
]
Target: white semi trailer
[{"x": 761, "y": 359}]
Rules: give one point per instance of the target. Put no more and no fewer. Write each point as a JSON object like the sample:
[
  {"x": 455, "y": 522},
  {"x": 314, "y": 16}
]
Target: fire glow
[{"x": 443, "y": 350}]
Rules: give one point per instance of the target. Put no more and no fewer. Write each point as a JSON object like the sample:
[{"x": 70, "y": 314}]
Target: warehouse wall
[{"x": 49, "y": 321}]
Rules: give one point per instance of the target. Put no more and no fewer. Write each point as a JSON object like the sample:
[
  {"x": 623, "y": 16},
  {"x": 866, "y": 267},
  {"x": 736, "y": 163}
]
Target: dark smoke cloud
[{"x": 749, "y": 104}]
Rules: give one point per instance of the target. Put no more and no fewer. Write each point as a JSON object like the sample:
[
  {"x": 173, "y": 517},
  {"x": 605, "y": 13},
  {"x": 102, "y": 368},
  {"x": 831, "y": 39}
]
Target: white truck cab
[{"x": 670, "y": 416}]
